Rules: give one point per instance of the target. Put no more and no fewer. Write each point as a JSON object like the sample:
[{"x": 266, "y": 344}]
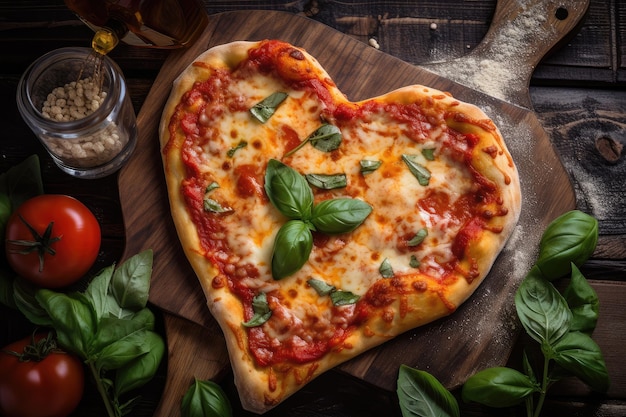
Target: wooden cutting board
[{"x": 481, "y": 332}]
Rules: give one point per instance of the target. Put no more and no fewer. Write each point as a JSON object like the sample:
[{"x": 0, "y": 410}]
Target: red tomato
[
  {"x": 59, "y": 256},
  {"x": 51, "y": 387}
]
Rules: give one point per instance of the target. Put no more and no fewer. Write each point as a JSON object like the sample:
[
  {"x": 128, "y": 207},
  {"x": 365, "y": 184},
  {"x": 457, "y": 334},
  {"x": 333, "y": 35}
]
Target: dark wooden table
[{"x": 578, "y": 93}]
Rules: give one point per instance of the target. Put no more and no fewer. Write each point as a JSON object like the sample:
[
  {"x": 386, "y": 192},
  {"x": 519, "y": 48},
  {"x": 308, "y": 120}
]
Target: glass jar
[{"x": 78, "y": 106}]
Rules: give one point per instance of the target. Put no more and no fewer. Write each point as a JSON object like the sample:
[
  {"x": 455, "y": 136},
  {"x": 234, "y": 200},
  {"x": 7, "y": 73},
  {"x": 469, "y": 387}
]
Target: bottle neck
[{"x": 107, "y": 37}]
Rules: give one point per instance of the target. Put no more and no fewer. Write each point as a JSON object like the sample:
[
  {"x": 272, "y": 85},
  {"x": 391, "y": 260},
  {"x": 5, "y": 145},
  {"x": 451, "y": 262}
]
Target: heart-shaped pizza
[{"x": 320, "y": 227}]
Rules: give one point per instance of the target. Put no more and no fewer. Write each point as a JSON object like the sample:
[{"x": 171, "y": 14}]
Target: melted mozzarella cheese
[{"x": 351, "y": 262}]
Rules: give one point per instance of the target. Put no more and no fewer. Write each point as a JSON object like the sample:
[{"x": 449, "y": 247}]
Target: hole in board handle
[{"x": 561, "y": 13}]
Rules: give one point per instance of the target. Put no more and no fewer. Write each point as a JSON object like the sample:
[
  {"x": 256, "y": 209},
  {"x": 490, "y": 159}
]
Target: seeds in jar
[
  {"x": 91, "y": 150},
  {"x": 75, "y": 101}
]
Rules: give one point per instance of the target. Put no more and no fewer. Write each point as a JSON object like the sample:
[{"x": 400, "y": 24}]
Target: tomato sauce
[{"x": 289, "y": 64}]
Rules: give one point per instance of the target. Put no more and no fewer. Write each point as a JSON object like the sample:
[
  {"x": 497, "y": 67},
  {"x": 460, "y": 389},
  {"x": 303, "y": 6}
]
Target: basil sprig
[
  {"x": 292, "y": 196},
  {"x": 109, "y": 326},
  {"x": 561, "y": 324}
]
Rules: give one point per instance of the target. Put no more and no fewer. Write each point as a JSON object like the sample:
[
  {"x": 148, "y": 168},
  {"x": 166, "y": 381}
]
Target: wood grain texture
[
  {"x": 582, "y": 124},
  {"x": 361, "y": 72},
  {"x": 189, "y": 359}
]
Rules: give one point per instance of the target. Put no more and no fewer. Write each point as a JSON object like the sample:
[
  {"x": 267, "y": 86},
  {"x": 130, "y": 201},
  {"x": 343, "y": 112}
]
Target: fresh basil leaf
[
  {"x": 115, "y": 310},
  {"x": 419, "y": 171},
  {"x": 122, "y": 351},
  {"x": 231, "y": 152},
  {"x": 342, "y": 298},
  {"x": 583, "y": 303},
  {"x": 581, "y": 356},
  {"x": 288, "y": 190},
  {"x": 214, "y": 185},
  {"x": 22, "y": 181},
  {"x": 262, "y": 312},
  {"x": 418, "y": 238},
  {"x": 337, "y": 297},
  {"x": 24, "y": 294},
  {"x": 111, "y": 329},
  {"x": 429, "y": 154},
  {"x": 327, "y": 181},
  {"x": 266, "y": 108},
  {"x": 5, "y": 213},
  {"x": 72, "y": 317},
  {"x": 385, "y": 269},
  {"x": 144, "y": 318},
  {"x": 205, "y": 399},
  {"x": 498, "y": 387},
  {"x": 542, "y": 310},
  {"x": 369, "y": 166},
  {"x": 141, "y": 370},
  {"x": 528, "y": 369},
  {"x": 213, "y": 206},
  {"x": 326, "y": 138},
  {"x": 421, "y": 395},
  {"x": 570, "y": 238},
  {"x": 98, "y": 289},
  {"x": 130, "y": 284},
  {"x": 292, "y": 247},
  {"x": 340, "y": 215},
  {"x": 414, "y": 262},
  {"x": 321, "y": 287}
]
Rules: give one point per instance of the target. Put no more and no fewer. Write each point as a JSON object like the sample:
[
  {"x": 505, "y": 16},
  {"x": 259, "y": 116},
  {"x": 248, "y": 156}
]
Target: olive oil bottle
[{"x": 166, "y": 24}]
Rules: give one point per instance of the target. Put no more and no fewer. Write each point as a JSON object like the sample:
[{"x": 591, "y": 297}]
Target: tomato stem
[
  {"x": 111, "y": 411},
  {"x": 36, "y": 350},
  {"x": 40, "y": 243}
]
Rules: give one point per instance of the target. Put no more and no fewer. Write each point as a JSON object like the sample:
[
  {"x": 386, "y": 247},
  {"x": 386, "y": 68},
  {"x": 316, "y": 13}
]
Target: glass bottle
[
  {"x": 78, "y": 106},
  {"x": 149, "y": 23}
]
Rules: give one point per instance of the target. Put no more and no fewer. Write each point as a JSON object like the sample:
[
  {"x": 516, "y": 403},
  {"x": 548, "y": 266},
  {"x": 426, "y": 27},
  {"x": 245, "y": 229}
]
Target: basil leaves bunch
[
  {"x": 108, "y": 325},
  {"x": 292, "y": 196},
  {"x": 561, "y": 324}
]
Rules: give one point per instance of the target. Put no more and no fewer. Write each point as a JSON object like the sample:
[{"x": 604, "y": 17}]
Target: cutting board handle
[{"x": 521, "y": 34}]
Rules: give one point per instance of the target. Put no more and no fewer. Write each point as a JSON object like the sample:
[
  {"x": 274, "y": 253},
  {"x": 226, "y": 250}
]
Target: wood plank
[
  {"x": 595, "y": 54},
  {"x": 577, "y": 120}
]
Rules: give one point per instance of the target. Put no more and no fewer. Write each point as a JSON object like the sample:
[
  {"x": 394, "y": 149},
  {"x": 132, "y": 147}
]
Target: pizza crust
[{"x": 262, "y": 388}]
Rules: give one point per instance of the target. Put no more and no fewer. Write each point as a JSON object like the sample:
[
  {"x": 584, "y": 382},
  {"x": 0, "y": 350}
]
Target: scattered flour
[{"x": 495, "y": 72}]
